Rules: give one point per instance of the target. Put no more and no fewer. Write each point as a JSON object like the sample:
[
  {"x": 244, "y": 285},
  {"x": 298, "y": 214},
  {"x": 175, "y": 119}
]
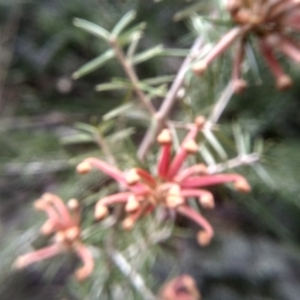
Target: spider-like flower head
[
  {"x": 272, "y": 22},
  {"x": 170, "y": 187},
  {"x": 64, "y": 224}
]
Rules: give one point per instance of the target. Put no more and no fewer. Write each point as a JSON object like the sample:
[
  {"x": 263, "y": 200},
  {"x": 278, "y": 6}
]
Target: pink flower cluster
[
  {"x": 63, "y": 223},
  {"x": 173, "y": 184},
  {"x": 273, "y": 23}
]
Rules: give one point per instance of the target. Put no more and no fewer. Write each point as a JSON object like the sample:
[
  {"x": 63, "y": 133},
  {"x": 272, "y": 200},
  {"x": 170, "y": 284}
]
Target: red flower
[
  {"x": 273, "y": 23},
  {"x": 170, "y": 188},
  {"x": 63, "y": 222}
]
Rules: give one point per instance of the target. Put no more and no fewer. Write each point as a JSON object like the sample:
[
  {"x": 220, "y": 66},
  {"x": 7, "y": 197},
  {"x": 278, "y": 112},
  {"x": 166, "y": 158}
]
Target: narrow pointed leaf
[
  {"x": 86, "y": 127},
  {"x": 215, "y": 143},
  {"x": 110, "y": 86},
  {"x": 121, "y": 135},
  {"x": 94, "y": 64},
  {"x": 159, "y": 80},
  {"x": 175, "y": 52},
  {"x": 91, "y": 28},
  {"x": 125, "y": 20},
  {"x": 120, "y": 110},
  {"x": 209, "y": 159},
  {"x": 131, "y": 33},
  {"x": 145, "y": 55}
]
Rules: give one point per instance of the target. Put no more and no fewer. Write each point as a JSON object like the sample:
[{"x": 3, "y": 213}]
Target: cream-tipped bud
[
  {"x": 132, "y": 204},
  {"x": 128, "y": 224},
  {"x": 284, "y": 82},
  {"x": 72, "y": 234},
  {"x": 73, "y": 204},
  {"x": 101, "y": 212},
  {"x": 39, "y": 204},
  {"x": 203, "y": 238},
  {"x": 84, "y": 167},
  {"x": 200, "y": 121},
  {"x": 239, "y": 85},
  {"x": 174, "y": 198},
  {"x": 164, "y": 138},
  {"x": 60, "y": 237},
  {"x": 47, "y": 228},
  {"x": 233, "y": 5},
  {"x": 21, "y": 262},
  {"x": 199, "y": 67},
  {"x": 132, "y": 177},
  {"x": 190, "y": 147},
  {"x": 242, "y": 185},
  {"x": 207, "y": 201}
]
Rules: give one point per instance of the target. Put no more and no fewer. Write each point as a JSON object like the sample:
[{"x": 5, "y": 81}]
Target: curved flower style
[
  {"x": 63, "y": 222},
  {"x": 182, "y": 287},
  {"x": 170, "y": 188},
  {"x": 273, "y": 22}
]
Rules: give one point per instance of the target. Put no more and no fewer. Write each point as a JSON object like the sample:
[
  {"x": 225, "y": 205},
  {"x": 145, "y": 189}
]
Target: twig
[
  {"x": 129, "y": 70},
  {"x": 35, "y": 168},
  {"x": 221, "y": 104},
  {"x": 169, "y": 101},
  {"x": 102, "y": 144},
  {"x": 135, "y": 278},
  {"x": 234, "y": 163}
]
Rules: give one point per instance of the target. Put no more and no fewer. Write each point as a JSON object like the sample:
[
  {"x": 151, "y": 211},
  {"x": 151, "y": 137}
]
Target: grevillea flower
[
  {"x": 180, "y": 288},
  {"x": 273, "y": 23},
  {"x": 170, "y": 187},
  {"x": 63, "y": 223}
]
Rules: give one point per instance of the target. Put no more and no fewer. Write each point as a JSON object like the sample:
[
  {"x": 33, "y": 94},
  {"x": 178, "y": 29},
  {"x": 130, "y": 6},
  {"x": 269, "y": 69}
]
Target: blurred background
[{"x": 256, "y": 254}]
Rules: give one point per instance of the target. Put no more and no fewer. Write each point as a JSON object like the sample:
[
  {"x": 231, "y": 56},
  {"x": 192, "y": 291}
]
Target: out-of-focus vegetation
[{"x": 257, "y": 252}]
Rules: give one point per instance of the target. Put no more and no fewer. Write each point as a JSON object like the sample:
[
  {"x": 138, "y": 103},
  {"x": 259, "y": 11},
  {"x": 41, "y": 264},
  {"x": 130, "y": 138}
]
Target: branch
[
  {"x": 129, "y": 70},
  {"x": 135, "y": 278},
  {"x": 169, "y": 101},
  {"x": 234, "y": 163}
]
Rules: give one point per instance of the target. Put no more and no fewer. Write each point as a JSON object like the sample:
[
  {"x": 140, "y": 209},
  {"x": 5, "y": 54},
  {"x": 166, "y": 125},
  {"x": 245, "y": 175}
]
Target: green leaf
[
  {"x": 92, "y": 28},
  {"x": 131, "y": 33},
  {"x": 94, "y": 64},
  {"x": 175, "y": 52},
  {"x": 121, "y": 134},
  {"x": 159, "y": 80},
  {"x": 125, "y": 20},
  {"x": 208, "y": 158},
  {"x": 145, "y": 55},
  {"x": 109, "y": 86},
  {"x": 86, "y": 127},
  {"x": 120, "y": 110},
  {"x": 77, "y": 139},
  {"x": 215, "y": 143}
]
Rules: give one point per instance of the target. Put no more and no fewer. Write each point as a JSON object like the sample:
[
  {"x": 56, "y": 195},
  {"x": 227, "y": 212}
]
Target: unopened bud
[
  {"x": 73, "y": 204},
  {"x": 207, "y": 201},
  {"x": 101, "y": 211},
  {"x": 239, "y": 85},
  {"x": 164, "y": 138},
  {"x": 47, "y": 228},
  {"x": 72, "y": 234},
  {"x": 84, "y": 167},
  {"x": 199, "y": 67},
  {"x": 242, "y": 185},
  {"x": 132, "y": 204},
  {"x": 128, "y": 224},
  {"x": 200, "y": 121},
  {"x": 284, "y": 82},
  {"x": 132, "y": 177},
  {"x": 174, "y": 197},
  {"x": 190, "y": 147},
  {"x": 203, "y": 238}
]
